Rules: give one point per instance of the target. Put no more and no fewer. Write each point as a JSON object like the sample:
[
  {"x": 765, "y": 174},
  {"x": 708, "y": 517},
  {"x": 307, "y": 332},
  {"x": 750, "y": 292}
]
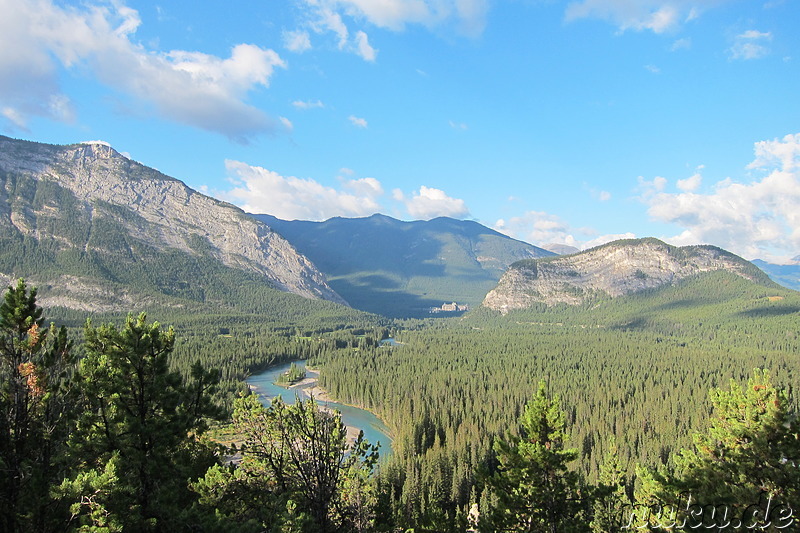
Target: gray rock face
[
  {"x": 157, "y": 210},
  {"x": 615, "y": 269}
]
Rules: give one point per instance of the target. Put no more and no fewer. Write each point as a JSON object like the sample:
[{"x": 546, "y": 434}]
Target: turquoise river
[{"x": 374, "y": 430}]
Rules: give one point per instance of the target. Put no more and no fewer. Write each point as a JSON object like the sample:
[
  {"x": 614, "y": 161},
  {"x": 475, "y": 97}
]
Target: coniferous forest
[{"x": 670, "y": 410}]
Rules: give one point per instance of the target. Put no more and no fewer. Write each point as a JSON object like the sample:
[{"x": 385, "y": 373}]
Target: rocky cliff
[
  {"x": 66, "y": 195},
  {"x": 614, "y": 269}
]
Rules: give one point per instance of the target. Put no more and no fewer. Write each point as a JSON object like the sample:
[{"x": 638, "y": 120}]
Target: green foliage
[
  {"x": 291, "y": 376},
  {"x": 637, "y": 368},
  {"x": 611, "y": 500},
  {"x": 297, "y": 471},
  {"x": 35, "y": 364},
  {"x": 139, "y": 421},
  {"x": 748, "y": 456},
  {"x": 533, "y": 486}
]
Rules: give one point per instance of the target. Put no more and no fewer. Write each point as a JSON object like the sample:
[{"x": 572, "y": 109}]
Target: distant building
[{"x": 450, "y": 308}]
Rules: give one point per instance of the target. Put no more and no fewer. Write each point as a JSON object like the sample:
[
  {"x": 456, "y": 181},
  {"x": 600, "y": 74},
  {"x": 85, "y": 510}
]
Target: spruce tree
[
  {"x": 743, "y": 472},
  {"x": 610, "y": 499},
  {"x": 534, "y": 488}
]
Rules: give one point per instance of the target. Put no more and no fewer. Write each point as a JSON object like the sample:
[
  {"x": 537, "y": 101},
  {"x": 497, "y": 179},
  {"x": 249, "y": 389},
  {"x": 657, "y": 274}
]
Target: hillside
[
  {"x": 98, "y": 231},
  {"x": 612, "y": 270},
  {"x": 400, "y": 269}
]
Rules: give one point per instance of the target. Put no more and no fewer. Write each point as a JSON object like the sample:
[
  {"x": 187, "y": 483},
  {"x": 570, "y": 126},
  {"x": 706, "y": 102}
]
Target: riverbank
[
  {"x": 354, "y": 418},
  {"x": 310, "y": 388}
]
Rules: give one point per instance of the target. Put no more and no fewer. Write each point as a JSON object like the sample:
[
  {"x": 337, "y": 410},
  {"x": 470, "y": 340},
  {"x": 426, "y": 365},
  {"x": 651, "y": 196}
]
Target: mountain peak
[{"x": 87, "y": 198}]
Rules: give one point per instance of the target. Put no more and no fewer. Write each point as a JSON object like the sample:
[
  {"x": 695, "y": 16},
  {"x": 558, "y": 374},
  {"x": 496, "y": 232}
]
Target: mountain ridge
[
  {"x": 89, "y": 199},
  {"x": 403, "y": 268},
  {"x": 611, "y": 270}
]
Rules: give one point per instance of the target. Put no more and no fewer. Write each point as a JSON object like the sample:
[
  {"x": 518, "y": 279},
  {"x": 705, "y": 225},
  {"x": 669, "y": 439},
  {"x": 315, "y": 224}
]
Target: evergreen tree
[
  {"x": 610, "y": 499},
  {"x": 744, "y": 471},
  {"x": 34, "y": 368},
  {"x": 534, "y": 487},
  {"x": 137, "y": 435}
]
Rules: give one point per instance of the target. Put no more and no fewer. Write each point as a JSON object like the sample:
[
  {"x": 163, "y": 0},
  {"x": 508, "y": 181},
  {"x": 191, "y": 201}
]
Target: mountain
[
  {"x": 614, "y": 269},
  {"x": 402, "y": 269},
  {"x": 561, "y": 249},
  {"x": 786, "y": 275},
  {"x": 96, "y": 230}
]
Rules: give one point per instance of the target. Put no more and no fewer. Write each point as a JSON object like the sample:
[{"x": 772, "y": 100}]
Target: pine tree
[
  {"x": 298, "y": 471},
  {"x": 34, "y": 369},
  {"x": 610, "y": 499},
  {"x": 747, "y": 462},
  {"x": 534, "y": 487},
  {"x": 140, "y": 422}
]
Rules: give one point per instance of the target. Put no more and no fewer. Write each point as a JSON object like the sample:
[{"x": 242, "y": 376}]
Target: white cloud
[
  {"x": 603, "y": 239},
  {"x": 193, "y": 88},
  {"x": 758, "y": 219},
  {"x": 604, "y": 196},
  {"x": 328, "y": 20},
  {"x": 782, "y": 153},
  {"x": 297, "y": 41},
  {"x": 658, "y": 16},
  {"x": 691, "y": 183},
  {"x": 357, "y": 122},
  {"x": 652, "y": 69},
  {"x": 308, "y": 104},
  {"x": 750, "y": 45},
  {"x": 366, "y": 187},
  {"x": 470, "y": 15},
  {"x": 334, "y": 16},
  {"x": 258, "y": 190},
  {"x": 428, "y": 203},
  {"x": 458, "y": 125},
  {"x": 367, "y": 52},
  {"x": 538, "y": 227},
  {"x": 541, "y": 228},
  {"x": 647, "y": 188}
]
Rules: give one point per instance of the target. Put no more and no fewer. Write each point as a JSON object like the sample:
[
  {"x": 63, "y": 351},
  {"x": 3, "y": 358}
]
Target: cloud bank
[
  {"x": 38, "y": 38},
  {"x": 757, "y": 219}
]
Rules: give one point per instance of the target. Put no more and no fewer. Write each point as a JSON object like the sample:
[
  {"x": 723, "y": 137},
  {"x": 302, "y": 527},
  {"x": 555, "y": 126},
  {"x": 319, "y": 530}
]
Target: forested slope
[
  {"x": 637, "y": 367},
  {"x": 402, "y": 269}
]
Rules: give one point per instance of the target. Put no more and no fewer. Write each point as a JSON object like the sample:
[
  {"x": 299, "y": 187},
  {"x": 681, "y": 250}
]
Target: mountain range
[
  {"x": 98, "y": 231},
  {"x": 402, "y": 269}
]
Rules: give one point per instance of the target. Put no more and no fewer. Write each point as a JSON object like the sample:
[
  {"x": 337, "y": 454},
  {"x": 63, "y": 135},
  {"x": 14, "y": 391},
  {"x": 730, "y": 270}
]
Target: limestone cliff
[
  {"x": 614, "y": 269},
  {"x": 59, "y": 193}
]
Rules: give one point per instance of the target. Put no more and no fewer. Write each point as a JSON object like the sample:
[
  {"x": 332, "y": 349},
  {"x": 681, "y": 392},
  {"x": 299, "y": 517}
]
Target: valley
[{"x": 628, "y": 339}]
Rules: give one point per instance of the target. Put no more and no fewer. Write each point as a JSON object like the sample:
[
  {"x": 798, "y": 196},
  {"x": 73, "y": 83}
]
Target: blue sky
[{"x": 555, "y": 122}]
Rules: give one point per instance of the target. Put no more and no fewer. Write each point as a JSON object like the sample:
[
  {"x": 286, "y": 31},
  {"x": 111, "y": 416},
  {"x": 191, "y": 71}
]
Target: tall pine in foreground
[
  {"x": 35, "y": 363},
  {"x": 533, "y": 486},
  {"x": 137, "y": 436}
]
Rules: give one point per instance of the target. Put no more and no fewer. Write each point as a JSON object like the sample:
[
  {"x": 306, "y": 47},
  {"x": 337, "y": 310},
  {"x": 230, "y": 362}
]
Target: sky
[{"x": 570, "y": 122}]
